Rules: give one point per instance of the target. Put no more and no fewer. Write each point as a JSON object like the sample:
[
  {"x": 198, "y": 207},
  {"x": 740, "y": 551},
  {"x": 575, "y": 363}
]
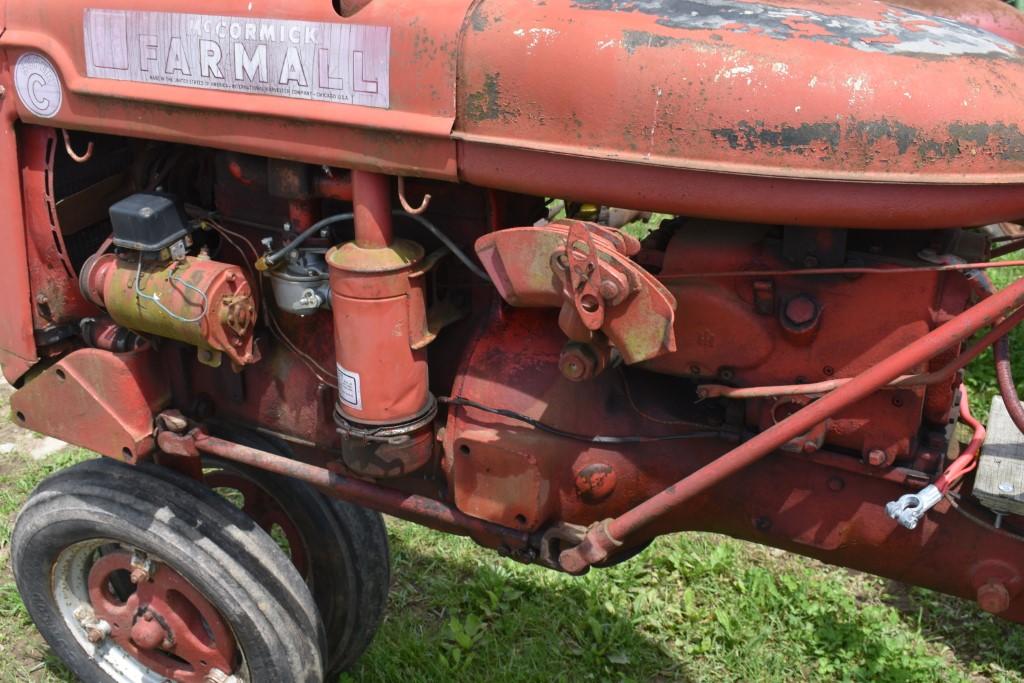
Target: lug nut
[
  {"x": 98, "y": 633},
  {"x": 142, "y": 568},
  {"x": 218, "y": 676},
  {"x": 96, "y": 630}
]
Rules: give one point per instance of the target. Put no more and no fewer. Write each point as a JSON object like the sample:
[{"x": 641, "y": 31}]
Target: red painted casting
[{"x": 164, "y": 623}]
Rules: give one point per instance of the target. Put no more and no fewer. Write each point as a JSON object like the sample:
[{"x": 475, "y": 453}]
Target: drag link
[{"x": 411, "y": 507}]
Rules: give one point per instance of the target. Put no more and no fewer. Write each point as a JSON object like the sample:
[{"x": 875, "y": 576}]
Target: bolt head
[
  {"x": 609, "y": 290},
  {"x": 801, "y": 310},
  {"x": 139, "y": 576},
  {"x": 993, "y": 597},
  {"x": 1006, "y": 487},
  {"x": 595, "y": 482},
  {"x": 877, "y": 458},
  {"x": 577, "y": 363},
  {"x": 94, "y": 635}
]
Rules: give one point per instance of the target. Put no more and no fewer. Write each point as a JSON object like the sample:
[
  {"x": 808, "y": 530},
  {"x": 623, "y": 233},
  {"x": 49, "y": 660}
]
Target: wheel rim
[
  {"x": 264, "y": 509},
  {"x": 149, "y": 628}
]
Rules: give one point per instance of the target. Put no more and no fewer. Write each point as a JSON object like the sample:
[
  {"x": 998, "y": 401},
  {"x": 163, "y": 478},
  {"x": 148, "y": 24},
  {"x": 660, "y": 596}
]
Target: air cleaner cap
[{"x": 147, "y": 221}]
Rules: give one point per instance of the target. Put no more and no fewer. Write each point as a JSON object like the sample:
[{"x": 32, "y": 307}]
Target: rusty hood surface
[{"x": 841, "y": 89}]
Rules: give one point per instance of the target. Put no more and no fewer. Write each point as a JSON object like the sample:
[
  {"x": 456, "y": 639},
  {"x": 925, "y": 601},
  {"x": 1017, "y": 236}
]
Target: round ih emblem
[{"x": 38, "y": 85}]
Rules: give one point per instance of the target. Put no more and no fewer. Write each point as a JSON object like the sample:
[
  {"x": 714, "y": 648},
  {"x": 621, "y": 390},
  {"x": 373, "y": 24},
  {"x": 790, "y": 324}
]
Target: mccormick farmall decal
[{"x": 331, "y": 62}]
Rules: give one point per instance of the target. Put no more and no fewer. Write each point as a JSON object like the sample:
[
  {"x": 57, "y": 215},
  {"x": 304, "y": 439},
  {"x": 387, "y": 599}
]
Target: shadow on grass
[
  {"x": 984, "y": 640},
  {"x": 462, "y": 614}
]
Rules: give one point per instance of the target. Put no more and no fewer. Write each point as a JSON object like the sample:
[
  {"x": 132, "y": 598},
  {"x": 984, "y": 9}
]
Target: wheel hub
[
  {"x": 149, "y": 632},
  {"x": 162, "y": 621}
]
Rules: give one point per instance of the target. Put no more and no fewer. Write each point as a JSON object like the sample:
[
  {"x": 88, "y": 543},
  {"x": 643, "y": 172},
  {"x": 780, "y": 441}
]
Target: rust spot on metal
[
  {"x": 479, "y": 19},
  {"x": 1006, "y": 141},
  {"x": 632, "y": 40},
  {"x": 878, "y": 137},
  {"x": 873, "y": 132},
  {"x": 486, "y": 104},
  {"x": 806, "y": 137}
]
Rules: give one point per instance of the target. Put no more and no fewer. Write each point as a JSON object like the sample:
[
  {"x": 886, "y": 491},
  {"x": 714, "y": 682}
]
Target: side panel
[{"x": 17, "y": 346}]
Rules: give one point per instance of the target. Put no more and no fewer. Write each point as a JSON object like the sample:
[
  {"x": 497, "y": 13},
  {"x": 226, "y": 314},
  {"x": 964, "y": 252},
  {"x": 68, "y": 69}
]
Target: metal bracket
[
  {"x": 590, "y": 282},
  {"x": 585, "y": 270}
]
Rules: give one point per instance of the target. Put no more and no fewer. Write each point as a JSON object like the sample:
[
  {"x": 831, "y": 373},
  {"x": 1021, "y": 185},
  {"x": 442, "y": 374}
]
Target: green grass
[{"x": 692, "y": 608}]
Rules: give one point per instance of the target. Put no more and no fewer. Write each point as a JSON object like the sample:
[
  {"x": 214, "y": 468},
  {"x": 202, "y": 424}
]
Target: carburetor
[
  {"x": 152, "y": 285},
  {"x": 301, "y": 285}
]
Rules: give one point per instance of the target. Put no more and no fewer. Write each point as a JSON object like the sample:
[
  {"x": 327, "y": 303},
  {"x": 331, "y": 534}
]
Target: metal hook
[
  {"x": 424, "y": 203},
  {"x": 71, "y": 153}
]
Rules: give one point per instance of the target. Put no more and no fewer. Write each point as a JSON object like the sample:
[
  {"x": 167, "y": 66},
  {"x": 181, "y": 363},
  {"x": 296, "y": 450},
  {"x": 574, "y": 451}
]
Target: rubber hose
[{"x": 1007, "y": 387}]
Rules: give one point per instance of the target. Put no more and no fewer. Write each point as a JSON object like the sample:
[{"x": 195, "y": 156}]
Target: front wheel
[{"x": 130, "y": 576}]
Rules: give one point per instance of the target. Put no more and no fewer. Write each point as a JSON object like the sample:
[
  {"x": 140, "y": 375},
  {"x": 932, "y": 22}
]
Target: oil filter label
[
  {"x": 350, "y": 388},
  {"x": 328, "y": 62}
]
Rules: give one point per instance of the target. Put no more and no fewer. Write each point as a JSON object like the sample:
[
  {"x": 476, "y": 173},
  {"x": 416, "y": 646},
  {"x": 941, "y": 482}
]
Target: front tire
[
  {"x": 214, "y": 589},
  {"x": 340, "y": 549}
]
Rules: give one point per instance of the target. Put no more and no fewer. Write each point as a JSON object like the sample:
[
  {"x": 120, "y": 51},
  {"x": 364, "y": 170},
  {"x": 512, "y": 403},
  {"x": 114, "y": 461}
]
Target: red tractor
[{"x": 354, "y": 258}]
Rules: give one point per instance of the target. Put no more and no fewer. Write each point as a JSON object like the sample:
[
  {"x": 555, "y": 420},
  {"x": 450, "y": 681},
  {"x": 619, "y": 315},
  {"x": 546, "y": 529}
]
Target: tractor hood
[{"x": 835, "y": 89}]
